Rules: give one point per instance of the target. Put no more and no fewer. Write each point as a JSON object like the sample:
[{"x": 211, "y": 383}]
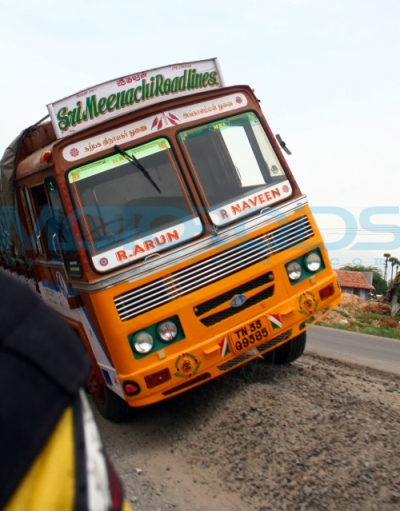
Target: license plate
[{"x": 249, "y": 335}]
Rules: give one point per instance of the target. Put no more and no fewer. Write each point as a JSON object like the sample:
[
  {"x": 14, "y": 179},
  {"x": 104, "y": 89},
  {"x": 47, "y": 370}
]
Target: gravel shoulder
[{"x": 318, "y": 434}]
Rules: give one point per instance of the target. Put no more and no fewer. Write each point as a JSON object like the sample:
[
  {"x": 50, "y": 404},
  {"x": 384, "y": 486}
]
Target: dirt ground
[{"x": 318, "y": 434}]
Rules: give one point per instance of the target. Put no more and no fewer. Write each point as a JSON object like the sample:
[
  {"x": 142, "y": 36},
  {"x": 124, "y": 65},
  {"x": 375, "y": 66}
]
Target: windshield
[
  {"x": 236, "y": 167},
  {"x": 122, "y": 214}
]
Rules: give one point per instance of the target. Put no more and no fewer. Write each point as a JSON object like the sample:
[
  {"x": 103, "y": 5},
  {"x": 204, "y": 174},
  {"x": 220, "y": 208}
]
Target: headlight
[
  {"x": 143, "y": 343},
  {"x": 293, "y": 271},
  {"x": 167, "y": 331},
  {"x": 313, "y": 262}
]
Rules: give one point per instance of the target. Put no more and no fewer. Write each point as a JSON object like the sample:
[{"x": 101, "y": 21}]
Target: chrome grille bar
[
  {"x": 214, "y": 268},
  {"x": 150, "y": 296},
  {"x": 184, "y": 282}
]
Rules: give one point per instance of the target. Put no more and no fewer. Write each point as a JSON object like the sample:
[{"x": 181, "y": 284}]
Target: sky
[{"x": 327, "y": 74}]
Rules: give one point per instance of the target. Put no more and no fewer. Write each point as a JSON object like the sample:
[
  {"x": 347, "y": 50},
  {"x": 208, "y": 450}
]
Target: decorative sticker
[
  {"x": 139, "y": 248},
  {"x": 163, "y": 120},
  {"x": 186, "y": 365},
  {"x": 275, "y": 321},
  {"x": 224, "y": 347},
  {"x": 251, "y": 203},
  {"x": 308, "y": 303}
]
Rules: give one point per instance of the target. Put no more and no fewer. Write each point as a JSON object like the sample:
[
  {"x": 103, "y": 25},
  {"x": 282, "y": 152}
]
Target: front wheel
[
  {"x": 111, "y": 406},
  {"x": 288, "y": 352}
]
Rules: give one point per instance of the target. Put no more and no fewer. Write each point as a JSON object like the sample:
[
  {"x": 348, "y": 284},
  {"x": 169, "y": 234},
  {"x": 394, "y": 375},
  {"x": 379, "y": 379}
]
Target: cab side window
[
  {"x": 64, "y": 237},
  {"x": 48, "y": 226}
]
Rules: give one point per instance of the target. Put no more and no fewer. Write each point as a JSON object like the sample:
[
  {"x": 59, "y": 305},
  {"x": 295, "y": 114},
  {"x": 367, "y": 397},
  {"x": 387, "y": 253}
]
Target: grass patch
[
  {"x": 365, "y": 316},
  {"x": 344, "y": 314},
  {"x": 338, "y": 326}
]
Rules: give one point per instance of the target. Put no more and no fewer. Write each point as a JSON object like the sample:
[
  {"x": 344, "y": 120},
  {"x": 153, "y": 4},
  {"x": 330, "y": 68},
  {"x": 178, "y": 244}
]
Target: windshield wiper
[{"x": 132, "y": 159}]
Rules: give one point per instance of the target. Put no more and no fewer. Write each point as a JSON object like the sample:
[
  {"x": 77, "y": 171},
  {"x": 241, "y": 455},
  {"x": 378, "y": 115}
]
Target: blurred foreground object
[{"x": 50, "y": 449}]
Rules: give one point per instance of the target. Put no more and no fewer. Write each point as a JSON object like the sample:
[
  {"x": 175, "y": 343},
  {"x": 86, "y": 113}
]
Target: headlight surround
[
  {"x": 294, "y": 270},
  {"x": 167, "y": 331},
  {"x": 143, "y": 343},
  {"x": 156, "y": 337},
  {"x": 313, "y": 262}
]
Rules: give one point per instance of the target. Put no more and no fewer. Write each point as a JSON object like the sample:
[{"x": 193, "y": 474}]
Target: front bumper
[{"x": 204, "y": 361}]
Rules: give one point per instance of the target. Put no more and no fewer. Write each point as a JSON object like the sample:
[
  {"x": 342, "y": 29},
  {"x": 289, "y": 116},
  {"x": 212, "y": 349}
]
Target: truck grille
[
  {"x": 231, "y": 311},
  {"x": 212, "y": 269},
  {"x": 216, "y": 301}
]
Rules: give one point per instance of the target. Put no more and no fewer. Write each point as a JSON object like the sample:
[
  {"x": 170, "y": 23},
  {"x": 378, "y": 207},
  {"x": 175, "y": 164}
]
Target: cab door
[{"x": 56, "y": 257}]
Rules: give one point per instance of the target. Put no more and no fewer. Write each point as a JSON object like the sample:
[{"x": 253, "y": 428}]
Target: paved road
[{"x": 369, "y": 350}]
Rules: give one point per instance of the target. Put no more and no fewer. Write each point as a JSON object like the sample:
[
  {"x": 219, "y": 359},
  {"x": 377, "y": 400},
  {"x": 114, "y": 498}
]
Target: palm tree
[
  {"x": 395, "y": 263},
  {"x": 392, "y": 261}
]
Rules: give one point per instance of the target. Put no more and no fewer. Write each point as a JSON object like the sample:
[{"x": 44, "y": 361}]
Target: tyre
[
  {"x": 288, "y": 352},
  {"x": 111, "y": 406}
]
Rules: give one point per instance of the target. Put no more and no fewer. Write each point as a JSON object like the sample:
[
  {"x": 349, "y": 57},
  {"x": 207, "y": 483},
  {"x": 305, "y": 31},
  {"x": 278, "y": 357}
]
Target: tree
[
  {"x": 393, "y": 261},
  {"x": 378, "y": 281}
]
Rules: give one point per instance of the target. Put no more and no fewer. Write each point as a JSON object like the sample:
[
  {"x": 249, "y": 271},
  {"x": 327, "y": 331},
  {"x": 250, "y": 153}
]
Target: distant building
[{"x": 356, "y": 282}]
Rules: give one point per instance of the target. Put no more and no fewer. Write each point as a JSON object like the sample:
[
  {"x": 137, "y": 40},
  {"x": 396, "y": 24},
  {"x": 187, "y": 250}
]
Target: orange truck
[{"x": 157, "y": 214}]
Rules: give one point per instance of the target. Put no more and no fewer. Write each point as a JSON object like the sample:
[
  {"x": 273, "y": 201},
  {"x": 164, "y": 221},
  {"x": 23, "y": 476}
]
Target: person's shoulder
[
  {"x": 32, "y": 330},
  {"x": 13, "y": 291}
]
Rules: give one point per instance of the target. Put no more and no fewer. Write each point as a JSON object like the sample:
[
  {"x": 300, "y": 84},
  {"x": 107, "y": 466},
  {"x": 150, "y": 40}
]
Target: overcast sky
[{"x": 327, "y": 73}]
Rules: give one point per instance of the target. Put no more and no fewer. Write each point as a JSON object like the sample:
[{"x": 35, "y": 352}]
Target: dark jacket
[{"x": 43, "y": 368}]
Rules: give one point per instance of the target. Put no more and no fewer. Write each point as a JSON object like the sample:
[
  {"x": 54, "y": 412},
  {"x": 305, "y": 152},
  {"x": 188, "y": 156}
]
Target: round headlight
[
  {"x": 313, "y": 262},
  {"x": 293, "y": 271},
  {"x": 167, "y": 331},
  {"x": 143, "y": 343}
]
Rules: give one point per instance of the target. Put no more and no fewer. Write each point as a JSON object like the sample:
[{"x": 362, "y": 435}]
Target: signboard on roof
[{"x": 116, "y": 97}]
